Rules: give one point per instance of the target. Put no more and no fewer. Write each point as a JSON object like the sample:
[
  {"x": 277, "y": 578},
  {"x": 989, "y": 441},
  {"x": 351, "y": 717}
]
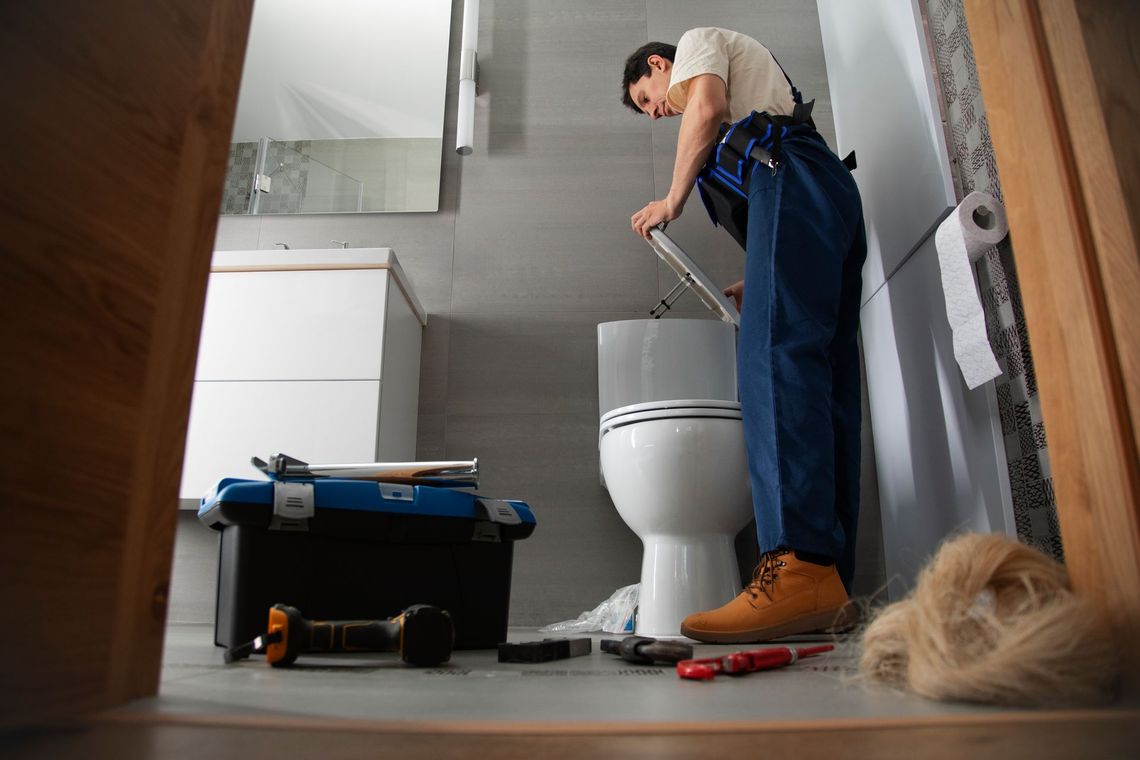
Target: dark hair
[{"x": 637, "y": 66}]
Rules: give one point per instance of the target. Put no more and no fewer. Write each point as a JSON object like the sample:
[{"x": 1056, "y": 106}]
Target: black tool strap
[
  {"x": 723, "y": 181},
  {"x": 761, "y": 135},
  {"x": 797, "y": 96},
  {"x": 756, "y": 137},
  {"x": 849, "y": 159}
]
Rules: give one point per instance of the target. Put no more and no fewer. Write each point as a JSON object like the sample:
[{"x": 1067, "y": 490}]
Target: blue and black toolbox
[{"x": 354, "y": 549}]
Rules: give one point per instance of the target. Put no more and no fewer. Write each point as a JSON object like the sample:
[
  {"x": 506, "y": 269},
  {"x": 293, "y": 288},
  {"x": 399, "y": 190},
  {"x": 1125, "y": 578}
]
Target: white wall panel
[
  {"x": 885, "y": 109},
  {"x": 324, "y": 422},
  {"x": 940, "y": 460}
]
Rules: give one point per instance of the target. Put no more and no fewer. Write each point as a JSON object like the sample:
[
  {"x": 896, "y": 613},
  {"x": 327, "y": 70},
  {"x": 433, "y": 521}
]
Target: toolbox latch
[
  {"x": 396, "y": 492},
  {"x": 491, "y": 514},
  {"x": 499, "y": 511},
  {"x": 292, "y": 505}
]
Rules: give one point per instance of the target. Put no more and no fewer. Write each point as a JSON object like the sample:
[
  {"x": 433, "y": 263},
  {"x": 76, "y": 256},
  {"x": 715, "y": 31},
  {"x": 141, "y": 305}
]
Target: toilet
[{"x": 671, "y": 447}]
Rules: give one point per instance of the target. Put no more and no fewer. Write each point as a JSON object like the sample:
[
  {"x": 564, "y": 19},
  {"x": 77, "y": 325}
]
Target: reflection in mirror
[
  {"x": 287, "y": 181},
  {"x": 341, "y": 108}
]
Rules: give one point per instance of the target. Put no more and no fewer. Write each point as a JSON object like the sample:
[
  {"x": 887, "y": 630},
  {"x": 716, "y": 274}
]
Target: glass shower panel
[{"x": 289, "y": 181}]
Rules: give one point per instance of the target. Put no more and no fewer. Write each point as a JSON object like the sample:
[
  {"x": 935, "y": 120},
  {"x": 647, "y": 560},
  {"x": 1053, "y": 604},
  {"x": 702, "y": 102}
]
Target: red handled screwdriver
[{"x": 738, "y": 663}]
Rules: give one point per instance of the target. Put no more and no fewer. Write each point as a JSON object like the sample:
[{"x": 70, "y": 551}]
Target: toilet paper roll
[{"x": 976, "y": 225}]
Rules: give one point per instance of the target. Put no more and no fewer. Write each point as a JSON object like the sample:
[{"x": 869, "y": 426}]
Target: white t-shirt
[{"x": 753, "y": 78}]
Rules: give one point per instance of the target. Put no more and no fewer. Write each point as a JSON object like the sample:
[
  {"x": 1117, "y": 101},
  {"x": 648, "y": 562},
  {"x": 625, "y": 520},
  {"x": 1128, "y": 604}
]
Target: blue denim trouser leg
[{"x": 798, "y": 359}]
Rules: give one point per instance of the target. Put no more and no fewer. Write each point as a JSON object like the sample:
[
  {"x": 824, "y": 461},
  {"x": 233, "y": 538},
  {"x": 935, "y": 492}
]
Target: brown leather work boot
[{"x": 786, "y": 596}]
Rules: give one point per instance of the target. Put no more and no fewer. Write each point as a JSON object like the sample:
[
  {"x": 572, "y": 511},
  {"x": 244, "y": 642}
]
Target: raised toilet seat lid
[{"x": 672, "y": 409}]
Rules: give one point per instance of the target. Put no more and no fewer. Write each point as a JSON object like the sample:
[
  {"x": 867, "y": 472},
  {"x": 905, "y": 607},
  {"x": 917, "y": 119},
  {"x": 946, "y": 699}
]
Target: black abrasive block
[{"x": 545, "y": 650}]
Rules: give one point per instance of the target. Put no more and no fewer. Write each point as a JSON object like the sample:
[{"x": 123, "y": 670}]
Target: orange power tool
[{"x": 422, "y": 634}]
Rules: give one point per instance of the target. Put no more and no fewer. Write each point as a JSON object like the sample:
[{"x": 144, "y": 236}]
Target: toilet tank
[{"x": 643, "y": 360}]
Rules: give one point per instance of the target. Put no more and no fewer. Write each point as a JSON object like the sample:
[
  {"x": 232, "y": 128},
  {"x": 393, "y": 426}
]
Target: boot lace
[{"x": 765, "y": 575}]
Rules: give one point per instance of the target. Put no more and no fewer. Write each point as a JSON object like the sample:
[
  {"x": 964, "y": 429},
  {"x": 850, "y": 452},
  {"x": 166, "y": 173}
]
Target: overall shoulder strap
[{"x": 802, "y": 111}]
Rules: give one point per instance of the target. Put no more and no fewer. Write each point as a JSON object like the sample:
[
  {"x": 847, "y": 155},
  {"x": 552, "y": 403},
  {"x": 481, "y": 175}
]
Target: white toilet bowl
[{"x": 678, "y": 474}]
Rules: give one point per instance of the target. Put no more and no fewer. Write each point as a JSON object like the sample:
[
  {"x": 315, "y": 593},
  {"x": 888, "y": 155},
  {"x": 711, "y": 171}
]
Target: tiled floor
[
  {"x": 590, "y": 706},
  {"x": 474, "y": 686}
]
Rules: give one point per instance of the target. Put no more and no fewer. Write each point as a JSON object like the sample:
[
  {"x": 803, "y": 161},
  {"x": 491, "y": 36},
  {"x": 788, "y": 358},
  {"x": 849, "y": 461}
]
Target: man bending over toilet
[{"x": 797, "y": 357}]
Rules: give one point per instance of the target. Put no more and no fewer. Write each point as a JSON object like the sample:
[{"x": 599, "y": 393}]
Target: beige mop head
[{"x": 992, "y": 620}]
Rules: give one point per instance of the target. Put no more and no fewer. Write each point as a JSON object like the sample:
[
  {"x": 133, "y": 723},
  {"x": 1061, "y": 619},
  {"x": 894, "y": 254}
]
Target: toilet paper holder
[{"x": 973, "y": 227}]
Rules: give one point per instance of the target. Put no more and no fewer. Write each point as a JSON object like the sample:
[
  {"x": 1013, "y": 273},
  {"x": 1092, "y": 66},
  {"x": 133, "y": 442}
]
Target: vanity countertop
[{"x": 316, "y": 259}]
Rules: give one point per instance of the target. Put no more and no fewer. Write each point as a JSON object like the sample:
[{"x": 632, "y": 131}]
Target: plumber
[{"x": 795, "y": 208}]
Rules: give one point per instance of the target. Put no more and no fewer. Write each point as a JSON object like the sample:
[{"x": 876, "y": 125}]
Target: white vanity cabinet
[{"x": 314, "y": 353}]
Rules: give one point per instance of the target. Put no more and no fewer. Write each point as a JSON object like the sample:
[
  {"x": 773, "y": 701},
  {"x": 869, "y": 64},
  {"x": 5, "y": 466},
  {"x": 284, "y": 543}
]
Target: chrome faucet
[
  {"x": 341, "y": 243},
  {"x": 283, "y": 245}
]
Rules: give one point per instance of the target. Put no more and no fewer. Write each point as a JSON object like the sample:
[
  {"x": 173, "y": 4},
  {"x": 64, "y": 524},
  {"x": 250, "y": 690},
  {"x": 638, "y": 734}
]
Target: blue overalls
[{"x": 797, "y": 356}]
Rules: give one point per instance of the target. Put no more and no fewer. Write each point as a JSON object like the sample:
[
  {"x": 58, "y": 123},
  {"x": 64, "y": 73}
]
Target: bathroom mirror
[{"x": 341, "y": 108}]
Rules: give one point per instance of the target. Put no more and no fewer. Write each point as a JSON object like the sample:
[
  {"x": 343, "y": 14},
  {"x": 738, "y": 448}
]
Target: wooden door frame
[
  {"x": 1058, "y": 84},
  {"x": 116, "y": 141}
]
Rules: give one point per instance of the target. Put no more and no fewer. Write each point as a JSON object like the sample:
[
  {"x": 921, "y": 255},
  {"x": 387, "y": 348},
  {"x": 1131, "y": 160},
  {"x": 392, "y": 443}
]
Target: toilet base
[{"x": 681, "y": 575}]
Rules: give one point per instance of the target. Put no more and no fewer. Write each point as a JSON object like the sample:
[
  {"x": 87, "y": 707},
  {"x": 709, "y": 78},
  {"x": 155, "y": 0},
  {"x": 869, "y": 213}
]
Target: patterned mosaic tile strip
[
  {"x": 286, "y": 163},
  {"x": 972, "y": 156},
  {"x": 239, "y": 178}
]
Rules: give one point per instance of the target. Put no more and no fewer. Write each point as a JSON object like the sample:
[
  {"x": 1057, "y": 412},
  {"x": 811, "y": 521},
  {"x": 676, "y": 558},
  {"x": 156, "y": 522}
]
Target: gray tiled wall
[{"x": 531, "y": 249}]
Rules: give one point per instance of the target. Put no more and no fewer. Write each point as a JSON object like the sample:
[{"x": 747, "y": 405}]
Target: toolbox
[{"x": 353, "y": 549}]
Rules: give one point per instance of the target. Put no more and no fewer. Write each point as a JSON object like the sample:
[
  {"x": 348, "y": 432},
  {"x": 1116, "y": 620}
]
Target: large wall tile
[
  {"x": 545, "y": 226},
  {"x": 581, "y": 550},
  {"x": 422, "y": 242},
  {"x": 433, "y": 364},
  {"x": 553, "y": 67},
  {"x": 524, "y": 363},
  {"x": 237, "y": 233},
  {"x": 194, "y": 574},
  {"x": 430, "y": 430}
]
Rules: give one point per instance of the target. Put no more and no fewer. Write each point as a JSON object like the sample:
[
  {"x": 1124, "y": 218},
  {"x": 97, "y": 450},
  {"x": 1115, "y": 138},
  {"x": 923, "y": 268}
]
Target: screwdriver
[{"x": 738, "y": 663}]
